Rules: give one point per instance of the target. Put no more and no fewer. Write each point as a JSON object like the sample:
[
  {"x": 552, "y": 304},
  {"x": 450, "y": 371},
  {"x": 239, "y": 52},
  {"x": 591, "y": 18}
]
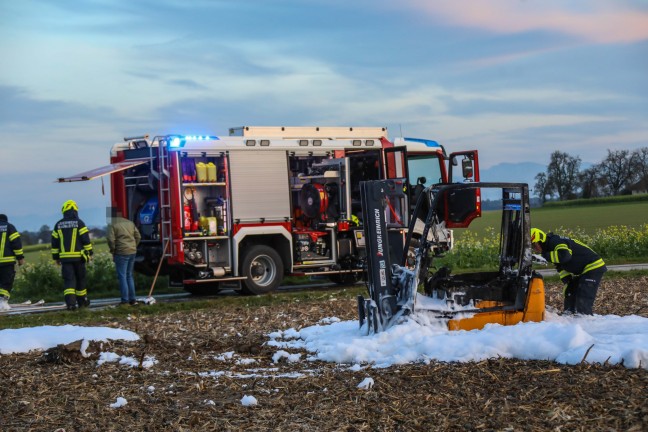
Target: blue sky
[{"x": 515, "y": 79}]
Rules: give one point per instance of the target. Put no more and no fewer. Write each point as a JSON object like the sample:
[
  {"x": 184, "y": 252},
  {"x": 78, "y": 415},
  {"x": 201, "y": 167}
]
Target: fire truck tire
[{"x": 263, "y": 268}]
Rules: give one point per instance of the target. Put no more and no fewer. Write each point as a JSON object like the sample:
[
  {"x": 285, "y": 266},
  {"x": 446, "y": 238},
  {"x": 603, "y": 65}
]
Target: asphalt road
[{"x": 620, "y": 267}]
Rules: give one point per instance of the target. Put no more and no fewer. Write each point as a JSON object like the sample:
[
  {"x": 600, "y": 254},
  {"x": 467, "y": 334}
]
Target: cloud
[
  {"x": 19, "y": 108},
  {"x": 595, "y": 21},
  {"x": 187, "y": 83}
]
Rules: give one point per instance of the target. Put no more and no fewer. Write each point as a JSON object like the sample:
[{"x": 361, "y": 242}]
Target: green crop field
[
  {"x": 587, "y": 219},
  {"x": 40, "y": 252}
]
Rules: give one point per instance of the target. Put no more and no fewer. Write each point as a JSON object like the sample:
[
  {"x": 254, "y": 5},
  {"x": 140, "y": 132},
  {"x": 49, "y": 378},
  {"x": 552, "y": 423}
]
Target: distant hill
[{"x": 521, "y": 172}]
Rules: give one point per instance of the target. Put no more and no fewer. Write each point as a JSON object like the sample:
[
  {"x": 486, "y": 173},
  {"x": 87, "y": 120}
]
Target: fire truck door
[
  {"x": 363, "y": 165},
  {"x": 396, "y": 162},
  {"x": 463, "y": 206}
]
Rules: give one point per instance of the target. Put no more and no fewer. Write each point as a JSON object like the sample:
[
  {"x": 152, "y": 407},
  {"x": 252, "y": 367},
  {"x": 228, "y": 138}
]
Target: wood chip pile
[{"x": 203, "y": 370}]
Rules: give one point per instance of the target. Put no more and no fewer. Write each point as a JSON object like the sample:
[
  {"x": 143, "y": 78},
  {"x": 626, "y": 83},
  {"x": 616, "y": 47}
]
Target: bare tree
[
  {"x": 616, "y": 170},
  {"x": 562, "y": 175},
  {"x": 540, "y": 187},
  {"x": 640, "y": 163},
  {"x": 591, "y": 183},
  {"x": 44, "y": 234}
]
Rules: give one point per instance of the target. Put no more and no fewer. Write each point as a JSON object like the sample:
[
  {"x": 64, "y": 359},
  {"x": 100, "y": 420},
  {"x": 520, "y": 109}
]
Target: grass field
[
  {"x": 36, "y": 253},
  {"x": 588, "y": 219}
]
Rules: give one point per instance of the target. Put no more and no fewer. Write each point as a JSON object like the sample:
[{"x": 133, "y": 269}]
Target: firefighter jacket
[
  {"x": 10, "y": 245},
  {"x": 71, "y": 239},
  {"x": 123, "y": 237},
  {"x": 571, "y": 257}
]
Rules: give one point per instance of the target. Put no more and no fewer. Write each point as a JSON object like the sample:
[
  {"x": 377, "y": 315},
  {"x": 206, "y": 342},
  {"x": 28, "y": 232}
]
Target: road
[
  {"x": 619, "y": 267},
  {"x": 23, "y": 308}
]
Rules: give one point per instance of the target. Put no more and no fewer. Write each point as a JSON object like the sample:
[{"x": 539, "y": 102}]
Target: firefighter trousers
[
  {"x": 581, "y": 292},
  {"x": 74, "y": 280},
  {"x": 7, "y": 276}
]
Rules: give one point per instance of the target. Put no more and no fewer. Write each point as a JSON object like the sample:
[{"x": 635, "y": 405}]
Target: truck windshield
[{"x": 424, "y": 167}]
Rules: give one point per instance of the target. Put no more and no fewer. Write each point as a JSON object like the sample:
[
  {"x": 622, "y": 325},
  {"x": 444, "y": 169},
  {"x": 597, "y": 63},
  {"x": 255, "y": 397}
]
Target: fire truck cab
[{"x": 244, "y": 210}]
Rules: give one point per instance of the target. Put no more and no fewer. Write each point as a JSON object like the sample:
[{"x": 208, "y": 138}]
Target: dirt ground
[{"x": 190, "y": 389}]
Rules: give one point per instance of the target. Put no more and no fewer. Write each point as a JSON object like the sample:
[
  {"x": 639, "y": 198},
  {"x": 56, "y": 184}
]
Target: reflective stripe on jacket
[
  {"x": 10, "y": 244},
  {"x": 70, "y": 238}
]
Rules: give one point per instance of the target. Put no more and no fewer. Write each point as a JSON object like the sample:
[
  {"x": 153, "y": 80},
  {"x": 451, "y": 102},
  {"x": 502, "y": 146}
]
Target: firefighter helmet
[
  {"x": 538, "y": 236},
  {"x": 69, "y": 205}
]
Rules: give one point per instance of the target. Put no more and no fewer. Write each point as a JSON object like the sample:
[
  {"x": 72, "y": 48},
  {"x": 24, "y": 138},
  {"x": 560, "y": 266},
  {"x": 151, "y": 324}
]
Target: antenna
[{"x": 400, "y": 126}]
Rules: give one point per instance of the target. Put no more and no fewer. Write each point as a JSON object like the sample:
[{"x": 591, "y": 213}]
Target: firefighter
[
  {"x": 71, "y": 249},
  {"x": 10, "y": 252},
  {"x": 579, "y": 267}
]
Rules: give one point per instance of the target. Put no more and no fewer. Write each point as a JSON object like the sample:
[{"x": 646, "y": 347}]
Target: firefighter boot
[
  {"x": 83, "y": 301},
  {"x": 71, "y": 302}
]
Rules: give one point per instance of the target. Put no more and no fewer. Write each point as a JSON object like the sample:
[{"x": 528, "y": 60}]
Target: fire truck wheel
[{"x": 263, "y": 268}]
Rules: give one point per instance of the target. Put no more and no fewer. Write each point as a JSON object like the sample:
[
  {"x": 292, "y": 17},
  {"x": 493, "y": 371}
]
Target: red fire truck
[{"x": 244, "y": 210}]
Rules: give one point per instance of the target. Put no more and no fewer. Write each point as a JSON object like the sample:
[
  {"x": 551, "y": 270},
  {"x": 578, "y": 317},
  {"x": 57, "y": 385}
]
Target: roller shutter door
[{"x": 260, "y": 187}]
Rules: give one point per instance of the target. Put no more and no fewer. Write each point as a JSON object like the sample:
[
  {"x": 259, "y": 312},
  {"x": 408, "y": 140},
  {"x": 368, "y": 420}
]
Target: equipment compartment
[{"x": 206, "y": 220}]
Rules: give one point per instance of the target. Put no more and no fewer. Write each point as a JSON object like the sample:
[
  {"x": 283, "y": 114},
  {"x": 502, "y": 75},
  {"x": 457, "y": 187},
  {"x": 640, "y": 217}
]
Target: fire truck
[{"x": 244, "y": 210}]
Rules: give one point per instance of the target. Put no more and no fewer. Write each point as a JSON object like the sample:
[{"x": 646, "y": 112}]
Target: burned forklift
[{"x": 512, "y": 294}]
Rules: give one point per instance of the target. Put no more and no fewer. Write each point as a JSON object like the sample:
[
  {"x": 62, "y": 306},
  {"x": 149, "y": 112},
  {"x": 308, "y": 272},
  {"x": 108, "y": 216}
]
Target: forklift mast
[{"x": 384, "y": 214}]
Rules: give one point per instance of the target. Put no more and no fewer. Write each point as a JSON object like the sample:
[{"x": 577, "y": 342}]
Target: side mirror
[
  {"x": 421, "y": 180},
  {"x": 467, "y": 168}
]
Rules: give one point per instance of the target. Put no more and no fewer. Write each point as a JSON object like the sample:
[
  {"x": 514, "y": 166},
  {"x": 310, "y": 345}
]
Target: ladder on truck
[{"x": 164, "y": 187}]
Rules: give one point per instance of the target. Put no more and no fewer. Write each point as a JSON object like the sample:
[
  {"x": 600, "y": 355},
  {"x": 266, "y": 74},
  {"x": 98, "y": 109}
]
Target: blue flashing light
[
  {"x": 199, "y": 137},
  {"x": 180, "y": 141},
  {"x": 427, "y": 142}
]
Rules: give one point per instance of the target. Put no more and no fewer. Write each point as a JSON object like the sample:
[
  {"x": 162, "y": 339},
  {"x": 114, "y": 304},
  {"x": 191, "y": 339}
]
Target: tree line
[
  {"x": 44, "y": 235},
  {"x": 614, "y": 175}
]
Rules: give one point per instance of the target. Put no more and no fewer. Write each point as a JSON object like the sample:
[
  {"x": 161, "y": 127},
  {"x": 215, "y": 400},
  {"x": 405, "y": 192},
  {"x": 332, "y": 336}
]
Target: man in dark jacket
[
  {"x": 578, "y": 266},
  {"x": 11, "y": 251},
  {"x": 71, "y": 249},
  {"x": 123, "y": 238}
]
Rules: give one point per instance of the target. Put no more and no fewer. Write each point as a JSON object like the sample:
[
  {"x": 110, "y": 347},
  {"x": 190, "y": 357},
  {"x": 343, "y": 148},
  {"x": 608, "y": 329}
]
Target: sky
[{"x": 514, "y": 79}]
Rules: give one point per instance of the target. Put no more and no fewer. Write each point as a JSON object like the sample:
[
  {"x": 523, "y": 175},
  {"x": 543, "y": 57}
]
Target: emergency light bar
[{"x": 178, "y": 141}]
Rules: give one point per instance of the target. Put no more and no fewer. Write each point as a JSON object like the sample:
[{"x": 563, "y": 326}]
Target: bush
[
  {"x": 614, "y": 241},
  {"x": 42, "y": 280},
  {"x": 473, "y": 251},
  {"x": 101, "y": 277}
]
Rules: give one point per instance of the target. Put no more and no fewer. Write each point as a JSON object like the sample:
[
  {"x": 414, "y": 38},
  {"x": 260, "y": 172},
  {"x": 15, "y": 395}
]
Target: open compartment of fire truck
[{"x": 205, "y": 215}]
